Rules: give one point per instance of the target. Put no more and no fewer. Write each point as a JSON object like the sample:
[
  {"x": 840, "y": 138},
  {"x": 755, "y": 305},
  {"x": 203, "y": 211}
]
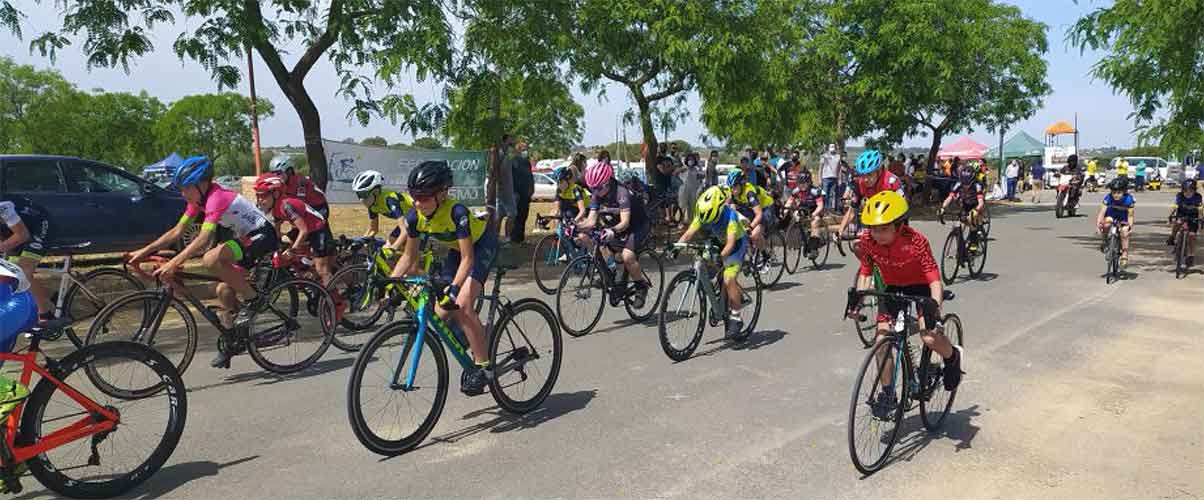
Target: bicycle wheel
[
  {"x": 1112, "y": 254},
  {"x": 873, "y": 420},
  {"x": 153, "y": 318},
  {"x": 1180, "y": 254},
  {"x": 751, "y": 289},
  {"x": 950, "y": 260},
  {"x": 653, "y": 268},
  {"x": 976, "y": 259},
  {"x": 96, "y": 289},
  {"x": 866, "y": 329},
  {"x": 109, "y": 463},
  {"x": 361, "y": 306},
  {"x": 546, "y": 262},
  {"x": 386, "y": 418},
  {"x": 293, "y": 329},
  {"x": 819, "y": 256},
  {"x": 795, "y": 246},
  {"x": 986, "y": 221},
  {"x": 581, "y": 284},
  {"x": 525, "y": 353},
  {"x": 935, "y": 400},
  {"x": 683, "y": 317},
  {"x": 767, "y": 259}
]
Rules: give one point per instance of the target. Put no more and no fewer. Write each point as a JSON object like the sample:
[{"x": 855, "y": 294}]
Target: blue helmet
[
  {"x": 192, "y": 171},
  {"x": 562, "y": 174},
  {"x": 735, "y": 177},
  {"x": 869, "y": 161}
]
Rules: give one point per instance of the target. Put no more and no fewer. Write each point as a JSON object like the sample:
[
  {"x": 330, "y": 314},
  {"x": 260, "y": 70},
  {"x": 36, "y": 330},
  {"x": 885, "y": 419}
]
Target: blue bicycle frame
[{"x": 426, "y": 320}]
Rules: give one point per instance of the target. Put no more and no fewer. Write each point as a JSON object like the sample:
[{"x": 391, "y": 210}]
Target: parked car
[
  {"x": 231, "y": 182},
  {"x": 545, "y": 188},
  {"x": 91, "y": 201}
]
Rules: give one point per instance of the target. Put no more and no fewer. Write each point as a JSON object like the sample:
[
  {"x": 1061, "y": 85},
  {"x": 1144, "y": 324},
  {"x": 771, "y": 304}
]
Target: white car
[{"x": 545, "y": 188}]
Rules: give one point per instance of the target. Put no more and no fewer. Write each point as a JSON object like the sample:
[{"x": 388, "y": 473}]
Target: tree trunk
[
  {"x": 311, "y": 128},
  {"x": 936, "y": 146},
  {"x": 649, "y": 133},
  {"x": 840, "y": 138}
]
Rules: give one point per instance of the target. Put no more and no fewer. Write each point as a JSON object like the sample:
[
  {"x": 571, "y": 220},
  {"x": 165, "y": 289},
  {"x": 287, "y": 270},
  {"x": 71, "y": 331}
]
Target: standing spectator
[
  {"x": 1122, "y": 168},
  {"x": 524, "y": 189},
  {"x": 506, "y": 205},
  {"x": 578, "y": 167},
  {"x": 1038, "y": 181},
  {"x": 829, "y": 173},
  {"x": 1140, "y": 172},
  {"x": 712, "y": 177},
  {"x": 1012, "y": 174},
  {"x": 689, "y": 190}
]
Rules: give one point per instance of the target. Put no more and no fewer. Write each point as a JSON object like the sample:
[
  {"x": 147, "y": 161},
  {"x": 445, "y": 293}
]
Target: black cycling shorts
[
  {"x": 321, "y": 242},
  {"x": 254, "y": 246},
  {"x": 889, "y": 308}
]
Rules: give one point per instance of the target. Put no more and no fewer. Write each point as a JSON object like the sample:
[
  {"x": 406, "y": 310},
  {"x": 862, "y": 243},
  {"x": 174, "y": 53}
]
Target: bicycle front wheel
[
  {"x": 95, "y": 290},
  {"x": 653, "y": 269},
  {"x": 112, "y": 462},
  {"x": 580, "y": 296},
  {"x": 795, "y": 245},
  {"x": 819, "y": 256},
  {"x": 387, "y": 418},
  {"x": 1180, "y": 254},
  {"x": 682, "y": 317},
  {"x": 950, "y": 258},
  {"x": 360, "y": 301},
  {"x": 935, "y": 400},
  {"x": 524, "y": 351},
  {"x": 876, "y": 409},
  {"x": 548, "y": 262},
  {"x": 976, "y": 258},
  {"x": 751, "y": 289},
  {"x": 294, "y": 327},
  {"x": 153, "y": 318},
  {"x": 775, "y": 246}
]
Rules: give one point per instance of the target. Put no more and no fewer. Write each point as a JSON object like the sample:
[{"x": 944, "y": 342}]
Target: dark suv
[{"x": 91, "y": 201}]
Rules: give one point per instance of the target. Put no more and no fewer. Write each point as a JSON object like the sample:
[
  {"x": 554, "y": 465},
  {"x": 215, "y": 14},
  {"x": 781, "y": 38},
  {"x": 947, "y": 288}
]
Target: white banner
[{"x": 347, "y": 160}]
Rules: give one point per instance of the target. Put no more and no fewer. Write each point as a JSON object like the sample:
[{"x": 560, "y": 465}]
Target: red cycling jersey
[
  {"x": 304, "y": 189},
  {"x": 290, "y": 209},
  {"x": 907, "y": 261}
]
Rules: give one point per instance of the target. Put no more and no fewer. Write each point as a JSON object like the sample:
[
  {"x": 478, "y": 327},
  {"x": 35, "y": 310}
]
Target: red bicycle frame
[{"x": 97, "y": 419}]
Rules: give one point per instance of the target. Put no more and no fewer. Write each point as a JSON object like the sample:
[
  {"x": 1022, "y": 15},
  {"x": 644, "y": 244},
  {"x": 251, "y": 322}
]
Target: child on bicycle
[
  {"x": 1117, "y": 208},
  {"x": 24, "y": 230},
  {"x": 369, "y": 188},
  {"x": 310, "y": 231},
  {"x": 969, "y": 192},
  {"x": 471, "y": 252},
  {"x": 243, "y": 233},
  {"x": 906, "y": 265},
  {"x": 871, "y": 180},
  {"x": 625, "y": 218},
  {"x": 720, "y": 221},
  {"x": 573, "y": 201},
  {"x": 1186, "y": 208},
  {"x": 810, "y": 201},
  {"x": 299, "y": 186},
  {"x": 18, "y": 313},
  {"x": 753, "y": 203}
]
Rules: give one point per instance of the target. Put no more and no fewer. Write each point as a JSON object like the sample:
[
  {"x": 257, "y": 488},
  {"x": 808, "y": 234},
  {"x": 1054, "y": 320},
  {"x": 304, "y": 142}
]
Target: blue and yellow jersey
[
  {"x": 727, "y": 223},
  {"x": 1188, "y": 207},
  {"x": 391, "y": 204},
  {"x": 569, "y": 197},
  {"x": 752, "y": 196},
  {"x": 450, "y": 222},
  {"x": 1118, "y": 210}
]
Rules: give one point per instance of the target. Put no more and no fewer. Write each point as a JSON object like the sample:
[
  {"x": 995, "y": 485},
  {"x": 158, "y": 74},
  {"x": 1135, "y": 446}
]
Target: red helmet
[
  {"x": 267, "y": 183},
  {"x": 599, "y": 174}
]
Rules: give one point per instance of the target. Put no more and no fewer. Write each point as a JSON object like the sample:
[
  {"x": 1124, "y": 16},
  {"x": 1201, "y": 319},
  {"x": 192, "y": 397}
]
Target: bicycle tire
[
  {"x": 869, "y": 464},
  {"x": 54, "y": 476},
  {"x": 1113, "y": 256},
  {"x": 586, "y": 273},
  {"x": 1180, "y": 254},
  {"x": 356, "y": 415},
  {"x": 143, "y": 305},
  {"x": 499, "y": 384},
  {"x": 986, "y": 221},
  {"x": 774, "y": 266},
  {"x": 753, "y": 295},
  {"x": 932, "y": 380},
  {"x": 85, "y": 298},
  {"x": 1059, "y": 205},
  {"x": 976, "y": 261},
  {"x": 645, "y": 257},
  {"x": 362, "y": 307},
  {"x": 547, "y": 253},
  {"x": 261, "y": 344},
  {"x": 693, "y": 295},
  {"x": 951, "y": 252},
  {"x": 866, "y": 329},
  {"x": 796, "y": 239},
  {"x": 821, "y": 256}
]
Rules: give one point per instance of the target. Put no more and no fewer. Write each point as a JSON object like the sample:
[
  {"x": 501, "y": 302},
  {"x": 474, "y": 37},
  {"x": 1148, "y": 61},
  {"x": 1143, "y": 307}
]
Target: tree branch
[
  {"x": 333, "y": 21},
  {"x": 271, "y": 57},
  {"x": 617, "y": 77},
  {"x": 678, "y": 86},
  {"x": 652, "y": 72}
]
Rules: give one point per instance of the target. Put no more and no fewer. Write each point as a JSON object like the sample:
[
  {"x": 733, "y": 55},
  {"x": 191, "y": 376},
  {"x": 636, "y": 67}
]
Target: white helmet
[
  {"x": 280, "y": 163},
  {"x": 367, "y": 181},
  {"x": 10, "y": 270}
]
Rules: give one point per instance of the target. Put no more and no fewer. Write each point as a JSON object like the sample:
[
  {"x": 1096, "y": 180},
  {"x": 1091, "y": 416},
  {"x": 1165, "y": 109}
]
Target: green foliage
[
  {"x": 375, "y": 141},
  {"x": 535, "y": 109},
  {"x": 427, "y": 143},
  {"x": 217, "y": 125}
]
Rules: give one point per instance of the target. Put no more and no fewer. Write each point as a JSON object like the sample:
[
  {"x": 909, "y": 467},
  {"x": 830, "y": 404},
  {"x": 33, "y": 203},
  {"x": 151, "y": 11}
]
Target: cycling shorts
[
  {"x": 1193, "y": 223},
  {"x": 321, "y": 242},
  {"x": 889, "y": 308},
  {"x": 632, "y": 239},
  {"x": 254, "y": 246},
  {"x": 733, "y": 262},
  {"x": 484, "y": 252}
]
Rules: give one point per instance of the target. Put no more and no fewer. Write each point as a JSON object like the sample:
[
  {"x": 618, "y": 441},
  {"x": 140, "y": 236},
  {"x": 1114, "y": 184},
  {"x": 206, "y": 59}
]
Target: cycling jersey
[
  {"x": 968, "y": 194},
  {"x": 391, "y": 204},
  {"x": 450, "y": 222},
  {"x": 568, "y": 199},
  {"x": 1118, "y": 210},
  {"x": 863, "y": 189},
  {"x": 1188, "y": 207},
  {"x": 753, "y": 196},
  {"x": 292, "y": 209},
  {"x": 226, "y": 209},
  {"x": 728, "y": 223},
  {"x": 36, "y": 222},
  {"x": 18, "y": 313},
  {"x": 619, "y": 200},
  {"x": 907, "y": 261},
  {"x": 809, "y": 198},
  {"x": 304, "y": 189}
]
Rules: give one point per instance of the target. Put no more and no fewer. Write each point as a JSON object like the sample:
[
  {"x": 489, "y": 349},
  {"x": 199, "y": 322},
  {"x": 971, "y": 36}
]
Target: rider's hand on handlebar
[
  {"x": 447, "y": 298},
  {"x": 608, "y": 234}
]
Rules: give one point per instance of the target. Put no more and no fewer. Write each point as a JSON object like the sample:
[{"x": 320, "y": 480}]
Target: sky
[{"x": 1102, "y": 114}]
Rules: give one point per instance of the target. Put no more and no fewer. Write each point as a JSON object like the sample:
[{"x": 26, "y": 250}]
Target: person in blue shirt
[
  {"x": 1187, "y": 208},
  {"x": 18, "y": 313},
  {"x": 1117, "y": 208},
  {"x": 721, "y": 222}
]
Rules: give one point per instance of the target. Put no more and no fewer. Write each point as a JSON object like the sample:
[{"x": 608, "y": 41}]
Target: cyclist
[
  {"x": 573, "y": 201},
  {"x": 439, "y": 218},
  {"x": 713, "y": 215},
  {"x": 626, "y": 221},
  {"x": 905, "y": 263},
  {"x": 871, "y": 180},
  {"x": 753, "y": 203},
  {"x": 299, "y": 186},
  {"x": 811, "y": 200},
  {"x": 18, "y": 313},
  {"x": 1187, "y": 207},
  {"x": 369, "y": 188},
  {"x": 245, "y": 235},
  {"x": 24, "y": 231},
  {"x": 311, "y": 229},
  {"x": 1117, "y": 208},
  {"x": 969, "y": 192}
]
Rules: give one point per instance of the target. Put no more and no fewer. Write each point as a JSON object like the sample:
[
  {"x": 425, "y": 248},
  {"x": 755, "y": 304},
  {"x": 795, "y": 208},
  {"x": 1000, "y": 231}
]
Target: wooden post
[{"x": 254, "y": 112}]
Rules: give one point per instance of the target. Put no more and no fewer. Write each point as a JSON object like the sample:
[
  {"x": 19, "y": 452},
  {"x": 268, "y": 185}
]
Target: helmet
[
  {"x": 735, "y": 177},
  {"x": 430, "y": 177},
  {"x": 710, "y": 204},
  {"x": 804, "y": 176},
  {"x": 869, "y": 161},
  {"x": 267, "y": 183},
  {"x": 1072, "y": 160},
  {"x": 883, "y": 208},
  {"x": 599, "y": 174},
  {"x": 1119, "y": 184},
  {"x": 367, "y": 181},
  {"x": 192, "y": 171},
  {"x": 562, "y": 174},
  {"x": 1188, "y": 183},
  {"x": 280, "y": 163},
  {"x": 10, "y": 270}
]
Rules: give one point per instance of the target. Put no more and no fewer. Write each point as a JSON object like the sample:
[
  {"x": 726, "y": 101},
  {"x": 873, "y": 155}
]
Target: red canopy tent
[{"x": 964, "y": 148}]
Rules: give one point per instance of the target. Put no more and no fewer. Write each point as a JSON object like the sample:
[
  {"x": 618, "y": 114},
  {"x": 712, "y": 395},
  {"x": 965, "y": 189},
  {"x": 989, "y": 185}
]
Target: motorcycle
[{"x": 1070, "y": 189}]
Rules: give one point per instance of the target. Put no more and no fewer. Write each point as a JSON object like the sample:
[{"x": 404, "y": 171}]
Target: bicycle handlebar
[
  {"x": 855, "y": 296},
  {"x": 435, "y": 286}
]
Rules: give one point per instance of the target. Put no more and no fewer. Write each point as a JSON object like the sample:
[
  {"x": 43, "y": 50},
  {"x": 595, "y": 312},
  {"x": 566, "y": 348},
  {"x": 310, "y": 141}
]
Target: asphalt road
[{"x": 766, "y": 419}]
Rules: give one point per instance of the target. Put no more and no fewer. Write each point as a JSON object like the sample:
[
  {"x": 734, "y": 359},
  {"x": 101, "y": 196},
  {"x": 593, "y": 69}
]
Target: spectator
[
  {"x": 1012, "y": 174},
  {"x": 1140, "y": 172},
  {"x": 1122, "y": 167},
  {"x": 578, "y": 167},
  {"x": 1038, "y": 181},
  {"x": 506, "y": 204},
  {"x": 524, "y": 189},
  {"x": 829, "y": 173},
  {"x": 689, "y": 190},
  {"x": 712, "y": 177}
]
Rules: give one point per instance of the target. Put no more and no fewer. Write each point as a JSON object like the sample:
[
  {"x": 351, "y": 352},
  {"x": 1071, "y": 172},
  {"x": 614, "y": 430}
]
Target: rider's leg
[
  {"x": 29, "y": 266},
  {"x": 229, "y": 303},
  {"x": 468, "y": 320},
  {"x": 221, "y": 260},
  {"x": 1124, "y": 239},
  {"x": 633, "y": 265}
]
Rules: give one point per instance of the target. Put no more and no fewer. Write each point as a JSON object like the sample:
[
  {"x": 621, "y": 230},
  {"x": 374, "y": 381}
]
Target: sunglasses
[
  {"x": 423, "y": 197},
  {"x": 365, "y": 195}
]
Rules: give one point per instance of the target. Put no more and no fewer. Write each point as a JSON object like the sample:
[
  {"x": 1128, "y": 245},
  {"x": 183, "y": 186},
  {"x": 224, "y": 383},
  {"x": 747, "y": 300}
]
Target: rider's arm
[
  {"x": 580, "y": 210},
  {"x": 733, "y": 238},
  {"x": 982, "y": 201},
  {"x": 819, "y": 207},
  {"x": 756, "y": 216},
  {"x": 408, "y": 258},
  {"x": 695, "y": 225},
  {"x": 399, "y": 242},
  {"x": 1099, "y": 220},
  {"x": 624, "y": 221},
  {"x": 591, "y": 220},
  {"x": 373, "y": 227},
  {"x": 460, "y": 215},
  {"x": 302, "y": 234},
  {"x": 171, "y": 236},
  {"x": 196, "y": 247},
  {"x": 19, "y": 237}
]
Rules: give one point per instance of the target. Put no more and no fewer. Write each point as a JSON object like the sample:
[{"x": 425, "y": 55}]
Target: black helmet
[
  {"x": 1119, "y": 184},
  {"x": 430, "y": 177},
  {"x": 1072, "y": 160},
  {"x": 1188, "y": 183}
]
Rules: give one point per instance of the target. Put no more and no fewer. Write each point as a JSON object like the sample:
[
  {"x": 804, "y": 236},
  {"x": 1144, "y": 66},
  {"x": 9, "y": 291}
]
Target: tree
[
  {"x": 538, "y": 109},
  {"x": 24, "y": 89},
  {"x": 427, "y": 143},
  {"x": 1154, "y": 58},
  {"x": 375, "y": 141},
  {"x": 384, "y": 37},
  {"x": 217, "y": 125}
]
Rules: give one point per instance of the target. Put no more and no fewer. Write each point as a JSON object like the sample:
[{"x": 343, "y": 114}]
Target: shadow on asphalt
[
  {"x": 783, "y": 285},
  {"x": 268, "y": 378},
  {"x": 755, "y": 340},
  {"x": 167, "y": 479},
  {"x": 964, "y": 277},
  {"x": 958, "y": 426},
  {"x": 554, "y": 406},
  {"x": 624, "y": 323}
]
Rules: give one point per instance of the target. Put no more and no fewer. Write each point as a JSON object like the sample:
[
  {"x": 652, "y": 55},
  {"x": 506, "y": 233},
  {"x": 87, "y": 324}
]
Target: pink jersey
[{"x": 227, "y": 209}]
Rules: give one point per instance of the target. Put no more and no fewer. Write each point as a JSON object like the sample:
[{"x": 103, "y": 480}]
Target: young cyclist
[
  {"x": 721, "y": 222},
  {"x": 969, "y": 192},
  {"x": 299, "y": 186},
  {"x": 871, "y": 180},
  {"x": 252, "y": 236},
  {"x": 471, "y": 251},
  {"x": 369, "y": 188},
  {"x": 310, "y": 230},
  {"x": 24, "y": 230},
  {"x": 625, "y": 219},
  {"x": 905, "y": 263},
  {"x": 1117, "y": 208},
  {"x": 752, "y": 202},
  {"x": 811, "y": 200},
  {"x": 1187, "y": 207},
  {"x": 18, "y": 313},
  {"x": 573, "y": 201}
]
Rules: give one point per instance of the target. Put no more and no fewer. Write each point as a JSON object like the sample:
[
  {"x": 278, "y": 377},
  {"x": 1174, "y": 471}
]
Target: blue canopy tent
[{"x": 164, "y": 167}]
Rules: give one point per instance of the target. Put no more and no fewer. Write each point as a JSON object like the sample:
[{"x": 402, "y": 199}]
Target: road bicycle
[
  {"x": 81, "y": 433},
  {"x": 1180, "y": 249},
  {"x": 290, "y": 331},
  {"x": 590, "y": 281},
  {"x": 388, "y": 366},
  {"x": 867, "y": 328},
  {"x": 961, "y": 250},
  {"x": 848, "y": 237},
  {"x": 554, "y": 252},
  {"x": 683, "y": 313},
  {"x": 768, "y": 257},
  {"x": 351, "y": 251},
  {"x": 798, "y": 241},
  {"x": 1111, "y": 249},
  {"x": 280, "y": 268},
  {"x": 892, "y": 381}
]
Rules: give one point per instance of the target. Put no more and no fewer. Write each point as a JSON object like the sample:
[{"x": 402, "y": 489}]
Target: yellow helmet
[
  {"x": 710, "y": 204},
  {"x": 883, "y": 208}
]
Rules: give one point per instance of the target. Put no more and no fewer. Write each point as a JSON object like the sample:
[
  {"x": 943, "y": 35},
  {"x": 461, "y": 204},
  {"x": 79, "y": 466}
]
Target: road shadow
[
  {"x": 263, "y": 377},
  {"x": 983, "y": 277},
  {"x": 958, "y": 426},
  {"x": 554, "y": 406},
  {"x": 624, "y": 323},
  {"x": 755, "y": 340},
  {"x": 784, "y": 285},
  {"x": 1148, "y": 250},
  {"x": 167, "y": 479}
]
